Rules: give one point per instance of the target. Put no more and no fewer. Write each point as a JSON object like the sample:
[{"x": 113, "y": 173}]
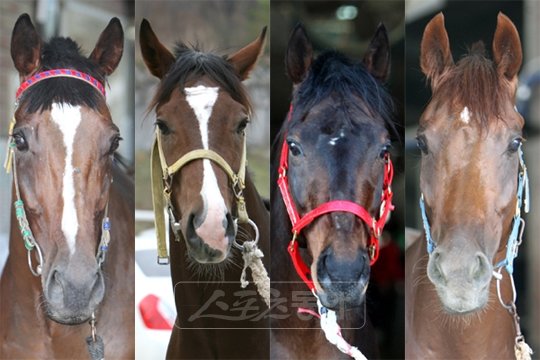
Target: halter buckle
[
  {"x": 371, "y": 251},
  {"x": 163, "y": 260},
  {"x": 293, "y": 240}
]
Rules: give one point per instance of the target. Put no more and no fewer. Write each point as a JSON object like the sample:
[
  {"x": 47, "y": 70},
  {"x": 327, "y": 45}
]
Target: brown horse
[
  {"x": 470, "y": 139},
  {"x": 63, "y": 144},
  {"x": 336, "y": 140},
  {"x": 201, "y": 104}
]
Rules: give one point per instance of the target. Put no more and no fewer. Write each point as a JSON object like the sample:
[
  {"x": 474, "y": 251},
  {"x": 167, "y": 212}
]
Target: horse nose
[
  {"x": 332, "y": 271},
  {"x": 75, "y": 293},
  {"x": 209, "y": 239},
  {"x": 474, "y": 268}
]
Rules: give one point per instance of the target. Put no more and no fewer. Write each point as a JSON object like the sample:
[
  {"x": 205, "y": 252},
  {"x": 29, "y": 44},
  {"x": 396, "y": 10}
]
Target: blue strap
[{"x": 430, "y": 243}]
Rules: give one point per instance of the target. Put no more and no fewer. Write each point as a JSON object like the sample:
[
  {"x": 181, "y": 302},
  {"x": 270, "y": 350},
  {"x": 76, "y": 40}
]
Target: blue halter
[{"x": 518, "y": 224}]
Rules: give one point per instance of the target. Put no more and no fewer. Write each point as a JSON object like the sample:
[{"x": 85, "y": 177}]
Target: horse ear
[
  {"x": 507, "y": 47},
  {"x": 156, "y": 56},
  {"x": 109, "y": 47},
  {"x": 299, "y": 54},
  {"x": 245, "y": 59},
  {"x": 25, "y": 47},
  {"x": 377, "y": 57},
  {"x": 435, "y": 54}
]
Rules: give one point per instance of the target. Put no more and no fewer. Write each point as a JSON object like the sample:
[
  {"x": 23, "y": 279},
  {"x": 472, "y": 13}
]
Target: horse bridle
[
  {"x": 94, "y": 342},
  {"x": 162, "y": 175},
  {"x": 328, "y": 318},
  {"x": 512, "y": 245},
  {"x": 30, "y": 242},
  {"x": 299, "y": 222}
]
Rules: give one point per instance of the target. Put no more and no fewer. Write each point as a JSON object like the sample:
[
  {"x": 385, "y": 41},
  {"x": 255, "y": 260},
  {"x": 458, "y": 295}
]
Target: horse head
[
  {"x": 470, "y": 139},
  {"x": 64, "y": 140},
  {"x": 338, "y": 142},
  {"x": 201, "y": 104}
]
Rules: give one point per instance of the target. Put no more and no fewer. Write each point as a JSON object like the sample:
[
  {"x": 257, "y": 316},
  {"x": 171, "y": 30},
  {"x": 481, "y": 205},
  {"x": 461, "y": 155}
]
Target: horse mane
[
  {"x": 333, "y": 74},
  {"x": 474, "y": 82},
  {"x": 191, "y": 64},
  {"x": 61, "y": 52}
]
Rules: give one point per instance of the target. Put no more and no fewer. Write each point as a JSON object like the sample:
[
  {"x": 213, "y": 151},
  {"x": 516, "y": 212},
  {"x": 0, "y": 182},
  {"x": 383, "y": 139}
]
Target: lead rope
[{"x": 332, "y": 330}]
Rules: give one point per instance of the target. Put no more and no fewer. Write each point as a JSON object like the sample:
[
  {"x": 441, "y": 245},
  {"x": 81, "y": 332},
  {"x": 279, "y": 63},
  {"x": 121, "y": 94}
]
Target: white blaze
[
  {"x": 465, "y": 115},
  {"x": 68, "y": 118},
  {"x": 202, "y": 100}
]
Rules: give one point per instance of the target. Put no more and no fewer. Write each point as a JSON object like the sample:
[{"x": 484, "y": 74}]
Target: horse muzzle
[
  {"x": 209, "y": 243},
  {"x": 461, "y": 278},
  {"x": 72, "y": 296},
  {"x": 344, "y": 281}
]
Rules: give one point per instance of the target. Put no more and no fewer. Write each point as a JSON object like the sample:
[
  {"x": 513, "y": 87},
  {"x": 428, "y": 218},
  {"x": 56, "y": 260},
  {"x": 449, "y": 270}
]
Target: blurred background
[
  {"x": 83, "y": 21},
  {"x": 467, "y": 22},
  {"x": 348, "y": 26},
  {"x": 222, "y": 27}
]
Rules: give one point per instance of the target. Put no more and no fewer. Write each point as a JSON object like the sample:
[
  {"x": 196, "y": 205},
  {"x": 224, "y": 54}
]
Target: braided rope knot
[{"x": 252, "y": 256}]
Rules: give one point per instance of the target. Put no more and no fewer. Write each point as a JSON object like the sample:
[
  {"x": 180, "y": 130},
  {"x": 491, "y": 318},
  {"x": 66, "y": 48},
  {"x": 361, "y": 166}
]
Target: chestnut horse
[
  {"x": 473, "y": 180},
  {"x": 68, "y": 195},
  {"x": 201, "y": 107},
  {"x": 330, "y": 157}
]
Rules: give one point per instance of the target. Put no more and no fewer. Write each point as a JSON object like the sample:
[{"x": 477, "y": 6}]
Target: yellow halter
[{"x": 161, "y": 174}]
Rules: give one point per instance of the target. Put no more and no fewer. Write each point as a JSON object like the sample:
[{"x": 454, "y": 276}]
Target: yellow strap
[
  {"x": 157, "y": 200},
  {"x": 200, "y": 154},
  {"x": 9, "y": 150}
]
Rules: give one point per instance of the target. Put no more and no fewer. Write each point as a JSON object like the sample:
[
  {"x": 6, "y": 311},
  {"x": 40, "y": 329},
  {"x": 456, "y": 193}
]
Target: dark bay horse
[
  {"x": 335, "y": 142},
  {"x": 201, "y": 107},
  {"x": 473, "y": 180},
  {"x": 72, "y": 193}
]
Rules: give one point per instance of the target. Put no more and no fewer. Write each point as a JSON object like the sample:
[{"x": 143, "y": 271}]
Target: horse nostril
[
  {"x": 480, "y": 269},
  {"x": 229, "y": 225},
  {"x": 435, "y": 271}
]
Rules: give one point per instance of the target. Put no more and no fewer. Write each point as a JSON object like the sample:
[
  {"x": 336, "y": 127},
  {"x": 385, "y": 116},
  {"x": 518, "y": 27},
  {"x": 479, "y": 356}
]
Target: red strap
[
  {"x": 59, "y": 73},
  {"x": 333, "y": 206},
  {"x": 301, "y": 268}
]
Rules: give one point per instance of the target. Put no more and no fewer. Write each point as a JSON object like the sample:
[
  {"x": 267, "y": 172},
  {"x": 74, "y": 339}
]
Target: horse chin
[
  {"x": 460, "y": 300},
  {"x": 68, "y": 319},
  {"x": 204, "y": 254},
  {"x": 345, "y": 299}
]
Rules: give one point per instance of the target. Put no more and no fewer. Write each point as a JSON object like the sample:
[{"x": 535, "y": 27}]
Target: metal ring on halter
[
  {"x": 514, "y": 295},
  {"x": 39, "y": 266},
  {"x": 240, "y": 247}
]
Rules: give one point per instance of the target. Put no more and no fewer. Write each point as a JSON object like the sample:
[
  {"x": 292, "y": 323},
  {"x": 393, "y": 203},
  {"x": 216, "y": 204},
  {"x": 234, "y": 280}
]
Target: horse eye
[
  {"x": 242, "y": 125},
  {"x": 20, "y": 142},
  {"x": 294, "y": 148},
  {"x": 162, "y": 126},
  {"x": 515, "y": 144},
  {"x": 385, "y": 150},
  {"x": 115, "y": 143},
  {"x": 421, "y": 144}
]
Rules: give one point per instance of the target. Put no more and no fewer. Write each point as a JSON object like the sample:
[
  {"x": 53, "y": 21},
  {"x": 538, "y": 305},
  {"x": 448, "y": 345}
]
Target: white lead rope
[{"x": 332, "y": 331}]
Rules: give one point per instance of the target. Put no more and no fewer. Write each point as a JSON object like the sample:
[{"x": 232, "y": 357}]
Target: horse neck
[{"x": 465, "y": 336}]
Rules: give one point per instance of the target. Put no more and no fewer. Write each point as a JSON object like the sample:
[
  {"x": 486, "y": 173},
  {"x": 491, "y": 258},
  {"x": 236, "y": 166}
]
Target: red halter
[{"x": 299, "y": 222}]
